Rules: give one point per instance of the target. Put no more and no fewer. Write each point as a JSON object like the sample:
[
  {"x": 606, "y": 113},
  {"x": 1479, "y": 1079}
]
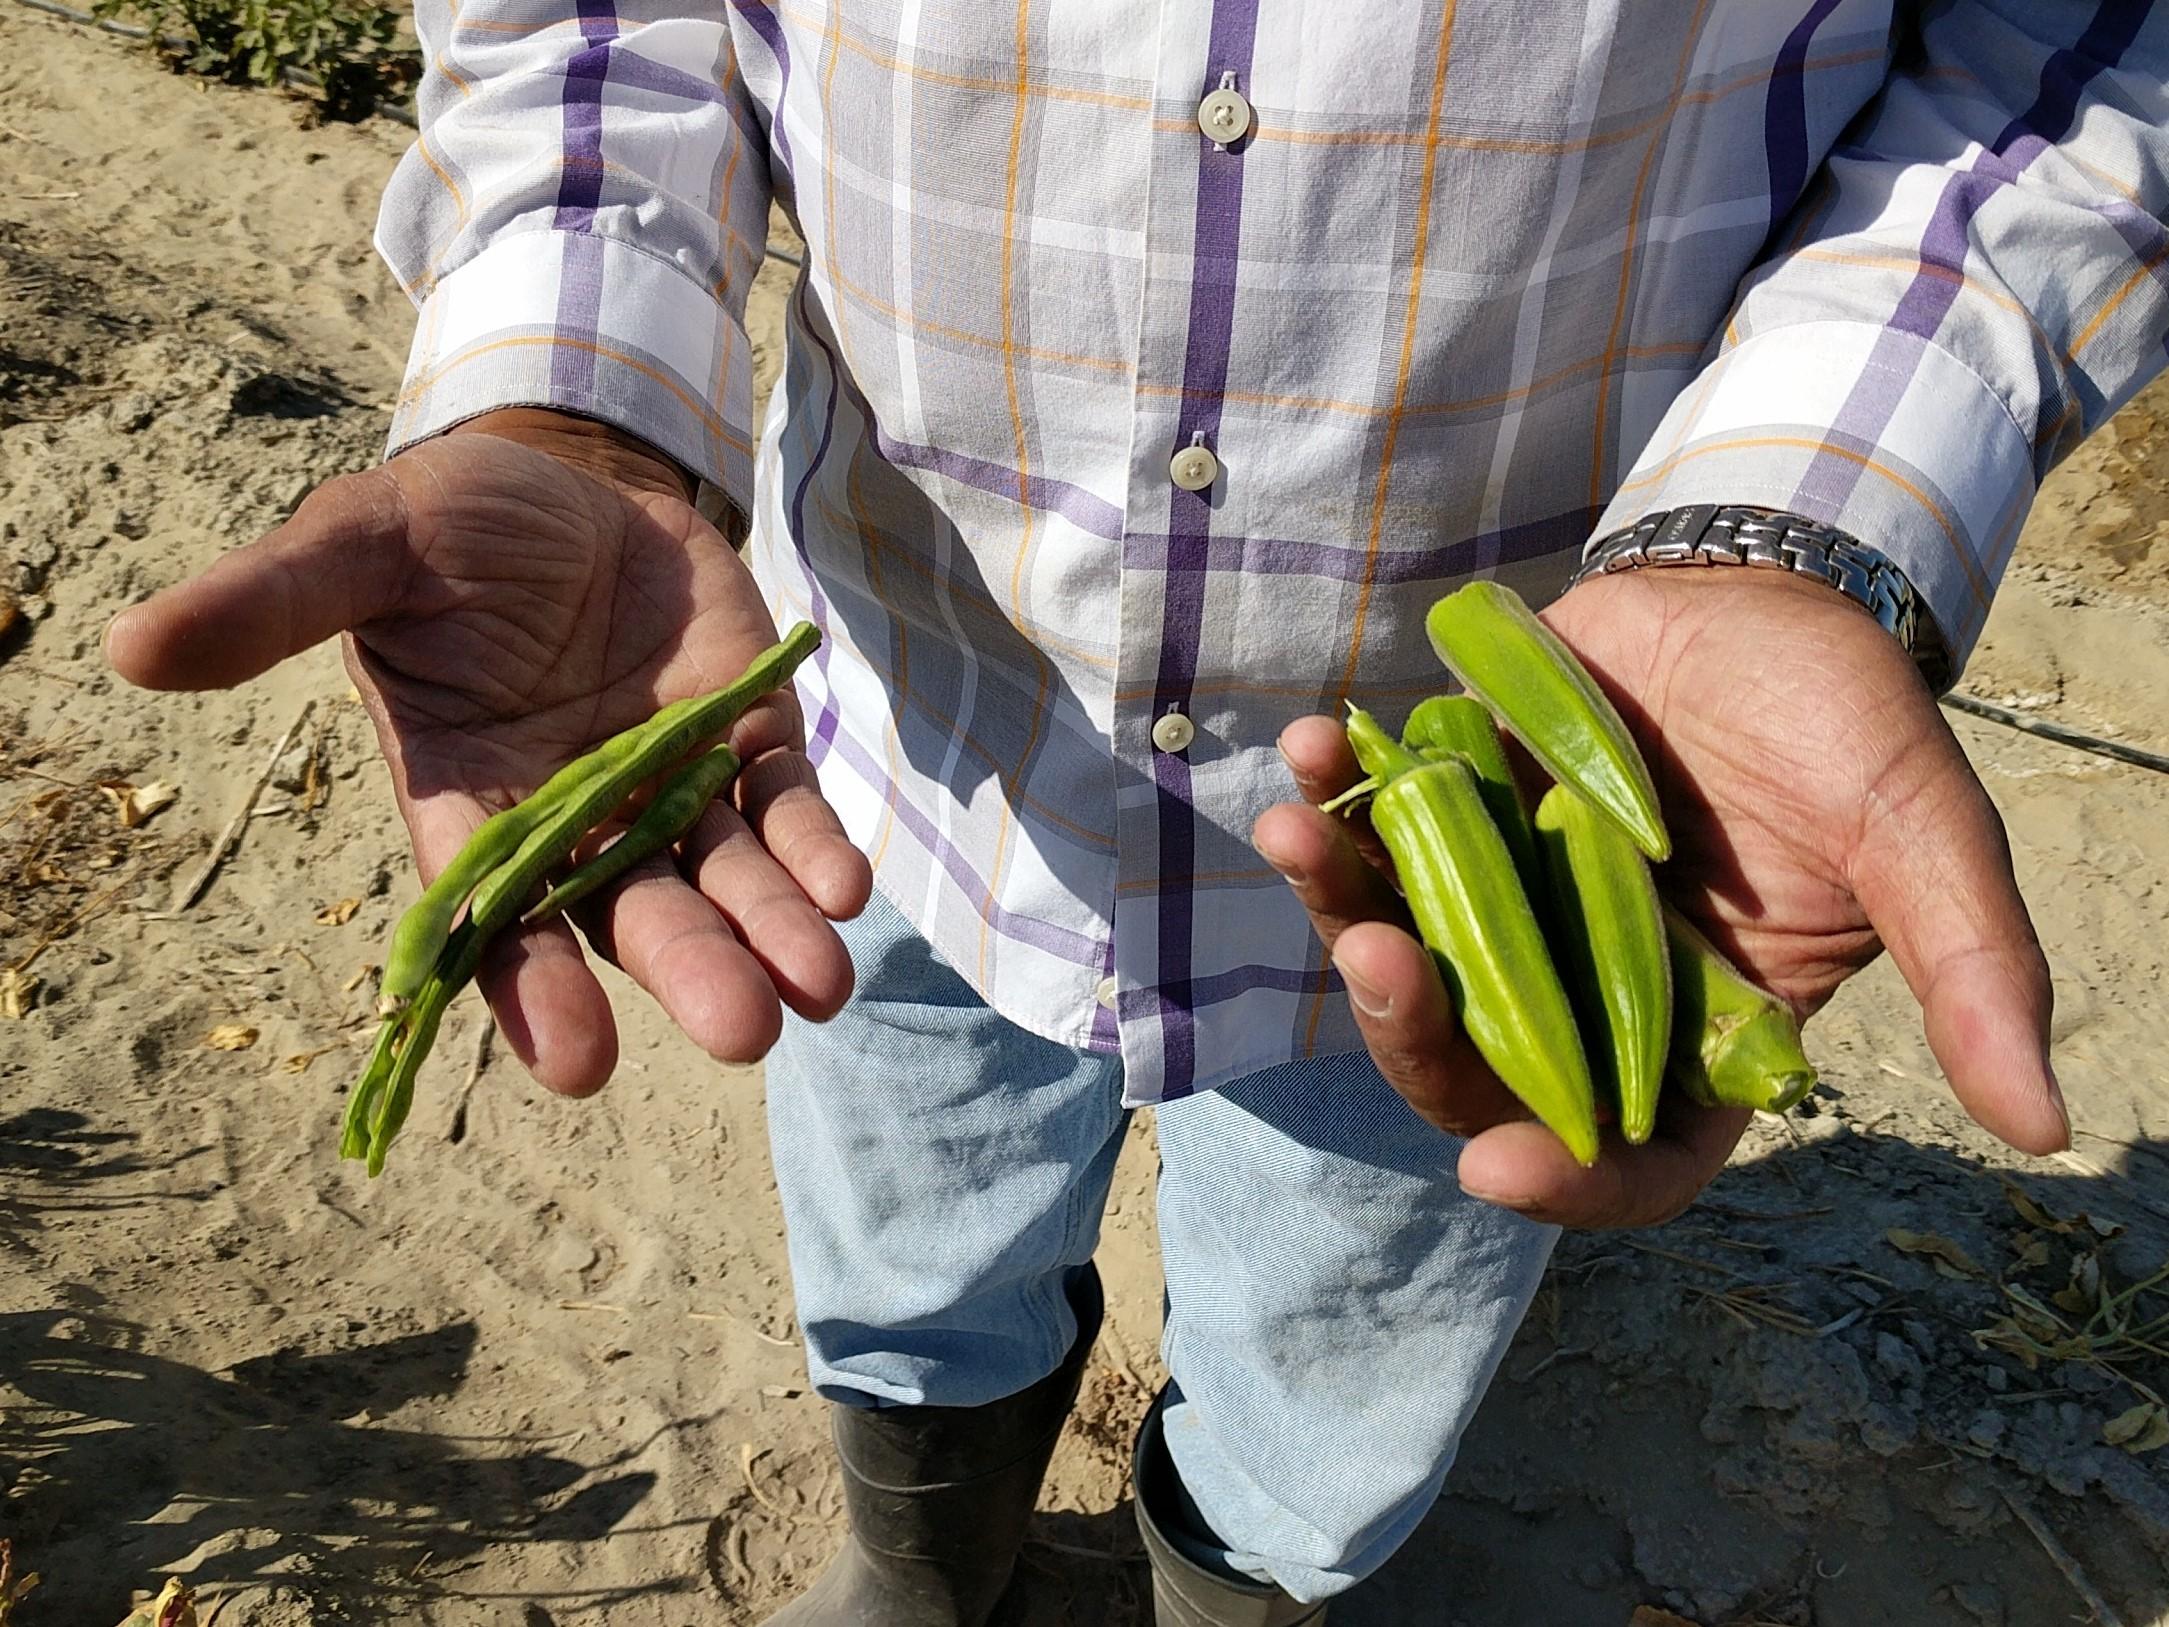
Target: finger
[
  {"x": 336, "y": 563},
  {"x": 1933, "y": 871},
  {"x": 794, "y": 943},
  {"x": 669, "y": 939},
  {"x": 1411, "y": 1030},
  {"x": 1318, "y": 754},
  {"x": 1525, "y": 1168},
  {"x": 781, "y": 800},
  {"x": 1319, "y": 857},
  {"x": 551, "y": 1010}
]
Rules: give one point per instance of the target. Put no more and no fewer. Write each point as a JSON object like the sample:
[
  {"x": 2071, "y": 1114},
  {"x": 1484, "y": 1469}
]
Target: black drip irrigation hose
[{"x": 2111, "y": 749}]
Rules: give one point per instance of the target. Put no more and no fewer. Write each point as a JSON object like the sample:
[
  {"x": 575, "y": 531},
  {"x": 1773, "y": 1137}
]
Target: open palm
[
  {"x": 1820, "y": 812},
  {"x": 505, "y": 609}
]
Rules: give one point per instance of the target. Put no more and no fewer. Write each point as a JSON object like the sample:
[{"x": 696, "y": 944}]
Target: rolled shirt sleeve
[
  {"x": 579, "y": 223},
  {"x": 1975, "y": 280}
]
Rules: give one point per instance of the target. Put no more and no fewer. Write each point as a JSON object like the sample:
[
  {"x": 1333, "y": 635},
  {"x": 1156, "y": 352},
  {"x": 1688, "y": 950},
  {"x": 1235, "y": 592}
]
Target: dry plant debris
[
  {"x": 2118, "y": 1330},
  {"x": 71, "y": 846},
  {"x": 12, "y": 1587}
]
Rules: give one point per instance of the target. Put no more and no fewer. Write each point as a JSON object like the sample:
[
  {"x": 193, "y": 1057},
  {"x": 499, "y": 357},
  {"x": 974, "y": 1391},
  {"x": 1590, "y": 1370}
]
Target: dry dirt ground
[{"x": 545, "y": 1370}]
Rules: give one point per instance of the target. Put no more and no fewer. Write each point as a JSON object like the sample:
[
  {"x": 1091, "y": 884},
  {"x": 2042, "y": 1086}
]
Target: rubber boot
[
  {"x": 939, "y": 1498},
  {"x": 1192, "y": 1583}
]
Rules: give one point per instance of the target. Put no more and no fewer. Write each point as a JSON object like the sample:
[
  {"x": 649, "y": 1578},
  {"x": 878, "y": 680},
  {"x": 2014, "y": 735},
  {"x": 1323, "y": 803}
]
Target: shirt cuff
[
  {"x": 592, "y": 326},
  {"x": 1866, "y": 429}
]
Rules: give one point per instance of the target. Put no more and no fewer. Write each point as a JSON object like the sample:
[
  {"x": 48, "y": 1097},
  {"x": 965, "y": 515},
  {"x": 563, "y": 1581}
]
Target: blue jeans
[{"x": 1335, "y": 1305}]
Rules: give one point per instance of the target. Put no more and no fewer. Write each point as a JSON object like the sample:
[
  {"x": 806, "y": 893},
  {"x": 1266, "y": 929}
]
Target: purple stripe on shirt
[
  {"x": 1216, "y": 246},
  {"x": 1194, "y": 994},
  {"x": 1054, "y": 940},
  {"x": 1784, "y": 118},
  {"x": 1920, "y": 311},
  {"x": 824, "y": 729},
  {"x": 1344, "y": 562},
  {"x": 579, "y": 186},
  {"x": 579, "y": 190},
  {"x": 769, "y": 28},
  {"x": 1094, "y": 516}
]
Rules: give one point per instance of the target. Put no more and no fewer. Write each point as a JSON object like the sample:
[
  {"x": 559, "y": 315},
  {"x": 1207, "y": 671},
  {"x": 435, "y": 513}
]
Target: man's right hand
[{"x": 511, "y": 594}]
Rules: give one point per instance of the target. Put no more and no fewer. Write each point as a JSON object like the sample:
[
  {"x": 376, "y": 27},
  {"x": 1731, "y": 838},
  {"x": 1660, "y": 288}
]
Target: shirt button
[
  {"x": 1194, "y": 468},
  {"x": 1173, "y": 732},
  {"x": 1105, "y": 993},
  {"x": 1224, "y": 117}
]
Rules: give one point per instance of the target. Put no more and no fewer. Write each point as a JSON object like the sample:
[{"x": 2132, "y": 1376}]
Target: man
[{"x": 1153, "y": 367}]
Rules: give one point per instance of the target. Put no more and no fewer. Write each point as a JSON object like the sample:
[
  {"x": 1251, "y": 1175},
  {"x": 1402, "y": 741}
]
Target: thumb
[
  {"x": 336, "y": 563},
  {"x": 1933, "y": 871}
]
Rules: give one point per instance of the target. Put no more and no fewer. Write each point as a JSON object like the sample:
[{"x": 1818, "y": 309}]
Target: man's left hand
[{"x": 1821, "y": 811}]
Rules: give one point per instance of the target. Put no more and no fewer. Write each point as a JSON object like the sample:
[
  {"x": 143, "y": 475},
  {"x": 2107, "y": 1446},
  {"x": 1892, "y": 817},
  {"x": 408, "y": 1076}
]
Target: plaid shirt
[{"x": 1474, "y": 280}]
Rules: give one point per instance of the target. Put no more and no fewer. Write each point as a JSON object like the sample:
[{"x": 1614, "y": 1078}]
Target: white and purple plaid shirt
[{"x": 1477, "y": 279}]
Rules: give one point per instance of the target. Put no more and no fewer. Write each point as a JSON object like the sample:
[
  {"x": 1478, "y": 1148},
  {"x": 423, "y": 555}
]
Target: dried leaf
[
  {"x": 2032, "y": 1213},
  {"x": 18, "y": 993},
  {"x": 1946, "y": 1256},
  {"x": 175, "y": 1606},
  {"x": 2036, "y": 1317},
  {"x": 362, "y": 974},
  {"x": 136, "y": 803},
  {"x": 300, "y": 1060},
  {"x": 2033, "y": 1251},
  {"x": 2082, "y": 1295},
  {"x": 338, "y": 914},
  {"x": 2145, "y": 1428},
  {"x": 2103, "y": 1229},
  {"x": 230, "y": 1037}
]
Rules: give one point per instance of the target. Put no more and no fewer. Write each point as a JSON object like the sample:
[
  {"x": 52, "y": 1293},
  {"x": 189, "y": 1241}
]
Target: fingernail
[
  {"x": 2056, "y": 1095},
  {"x": 1367, "y": 998}
]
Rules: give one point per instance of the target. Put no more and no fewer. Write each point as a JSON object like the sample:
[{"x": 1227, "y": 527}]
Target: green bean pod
[
  {"x": 1473, "y": 913},
  {"x": 1610, "y": 938},
  {"x": 1446, "y": 725},
  {"x": 420, "y": 935},
  {"x": 553, "y": 823},
  {"x": 676, "y": 809}
]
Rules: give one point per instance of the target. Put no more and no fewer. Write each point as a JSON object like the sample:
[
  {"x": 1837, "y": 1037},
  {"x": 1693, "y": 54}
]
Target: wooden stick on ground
[
  {"x": 2063, "y": 1561},
  {"x": 224, "y": 846},
  {"x": 475, "y": 1069}
]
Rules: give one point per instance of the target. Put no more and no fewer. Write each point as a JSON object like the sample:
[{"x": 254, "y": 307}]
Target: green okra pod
[
  {"x": 1528, "y": 679},
  {"x": 1609, "y": 934},
  {"x": 1734, "y": 1044},
  {"x": 1474, "y": 914},
  {"x": 1449, "y": 724}
]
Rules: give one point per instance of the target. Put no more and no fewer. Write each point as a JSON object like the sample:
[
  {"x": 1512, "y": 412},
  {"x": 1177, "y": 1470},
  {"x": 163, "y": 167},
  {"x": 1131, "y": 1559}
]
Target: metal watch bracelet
[{"x": 1769, "y": 539}]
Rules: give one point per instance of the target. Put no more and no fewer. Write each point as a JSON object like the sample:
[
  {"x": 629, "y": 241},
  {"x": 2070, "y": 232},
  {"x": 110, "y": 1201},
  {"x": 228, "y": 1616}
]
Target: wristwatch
[{"x": 1770, "y": 539}]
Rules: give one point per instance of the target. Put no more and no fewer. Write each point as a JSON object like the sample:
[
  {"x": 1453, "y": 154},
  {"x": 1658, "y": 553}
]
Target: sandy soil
[{"x": 545, "y": 1371}]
